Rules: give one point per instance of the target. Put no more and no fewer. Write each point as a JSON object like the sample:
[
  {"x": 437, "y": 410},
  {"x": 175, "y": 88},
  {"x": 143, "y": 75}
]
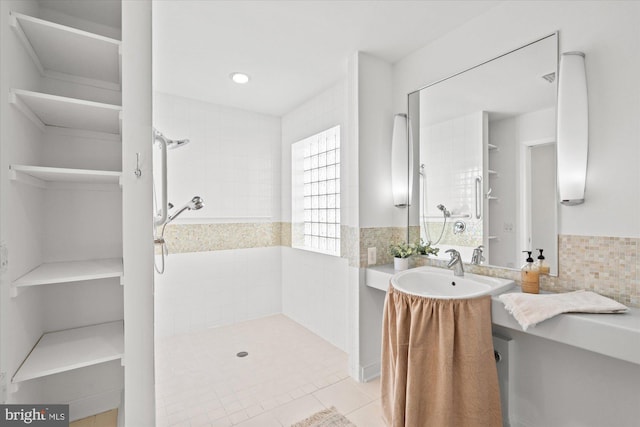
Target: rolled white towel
[{"x": 530, "y": 309}]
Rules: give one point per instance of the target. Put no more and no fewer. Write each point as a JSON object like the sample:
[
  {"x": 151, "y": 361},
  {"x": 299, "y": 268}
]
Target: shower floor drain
[{"x": 242, "y": 354}]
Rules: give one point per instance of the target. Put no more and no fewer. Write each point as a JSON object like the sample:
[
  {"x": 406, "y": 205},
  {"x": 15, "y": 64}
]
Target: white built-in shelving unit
[
  {"x": 59, "y": 111},
  {"x": 63, "y": 351},
  {"x": 64, "y": 52},
  {"x": 82, "y": 68},
  {"x": 71, "y": 271},
  {"x": 40, "y": 175}
]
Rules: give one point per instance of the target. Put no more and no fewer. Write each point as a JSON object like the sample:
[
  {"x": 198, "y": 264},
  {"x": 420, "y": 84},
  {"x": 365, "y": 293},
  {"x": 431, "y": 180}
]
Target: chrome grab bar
[{"x": 478, "y": 197}]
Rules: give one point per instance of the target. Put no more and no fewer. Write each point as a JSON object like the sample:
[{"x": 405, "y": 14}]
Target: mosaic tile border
[
  {"x": 380, "y": 238},
  {"x": 182, "y": 238},
  {"x": 609, "y": 266}
]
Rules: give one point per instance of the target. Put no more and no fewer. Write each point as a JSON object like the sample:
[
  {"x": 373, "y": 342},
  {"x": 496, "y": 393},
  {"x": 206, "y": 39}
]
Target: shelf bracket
[
  {"x": 14, "y": 291},
  {"x": 25, "y": 41},
  {"x": 122, "y": 360},
  {"x": 13, "y": 387},
  {"x": 15, "y": 175},
  {"x": 20, "y": 105},
  {"x": 122, "y": 280}
]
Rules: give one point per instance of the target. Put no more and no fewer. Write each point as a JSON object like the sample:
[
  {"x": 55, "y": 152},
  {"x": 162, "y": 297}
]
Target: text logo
[{"x": 34, "y": 415}]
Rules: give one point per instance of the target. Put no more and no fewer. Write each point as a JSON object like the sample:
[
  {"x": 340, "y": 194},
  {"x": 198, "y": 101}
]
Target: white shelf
[
  {"x": 492, "y": 147},
  {"x": 492, "y": 237},
  {"x": 71, "y": 271},
  {"x": 71, "y": 349},
  {"x": 68, "y": 53},
  {"x": 492, "y": 198},
  {"x": 492, "y": 172},
  {"x": 52, "y": 110},
  {"x": 41, "y": 175}
]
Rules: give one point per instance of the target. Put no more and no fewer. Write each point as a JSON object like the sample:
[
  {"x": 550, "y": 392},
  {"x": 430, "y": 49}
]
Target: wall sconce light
[
  {"x": 401, "y": 161},
  {"x": 573, "y": 128}
]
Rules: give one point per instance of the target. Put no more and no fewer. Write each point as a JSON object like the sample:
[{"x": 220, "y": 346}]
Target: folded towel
[{"x": 530, "y": 309}]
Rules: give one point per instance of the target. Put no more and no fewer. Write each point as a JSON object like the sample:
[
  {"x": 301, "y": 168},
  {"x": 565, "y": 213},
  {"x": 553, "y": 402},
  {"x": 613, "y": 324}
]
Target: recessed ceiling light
[{"x": 239, "y": 78}]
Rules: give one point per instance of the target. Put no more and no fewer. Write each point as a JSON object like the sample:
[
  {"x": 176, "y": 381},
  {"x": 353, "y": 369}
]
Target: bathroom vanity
[
  {"x": 612, "y": 335},
  {"x": 578, "y": 358}
]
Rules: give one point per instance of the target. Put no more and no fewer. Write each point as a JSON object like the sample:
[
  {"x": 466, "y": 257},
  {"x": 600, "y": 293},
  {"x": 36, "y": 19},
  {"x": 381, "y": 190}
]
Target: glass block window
[{"x": 315, "y": 192}]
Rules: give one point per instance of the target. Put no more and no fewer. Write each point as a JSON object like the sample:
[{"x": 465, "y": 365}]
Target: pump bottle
[
  {"x": 530, "y": 276},
  {"x": 541, "y": 264}
]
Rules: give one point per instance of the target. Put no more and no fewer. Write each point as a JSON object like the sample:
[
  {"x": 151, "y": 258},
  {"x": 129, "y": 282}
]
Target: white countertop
[{"x": 614, "y": 335}]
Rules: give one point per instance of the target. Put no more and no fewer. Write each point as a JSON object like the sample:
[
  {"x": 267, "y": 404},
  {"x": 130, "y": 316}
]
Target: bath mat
[{"x": 327, "y": 418}]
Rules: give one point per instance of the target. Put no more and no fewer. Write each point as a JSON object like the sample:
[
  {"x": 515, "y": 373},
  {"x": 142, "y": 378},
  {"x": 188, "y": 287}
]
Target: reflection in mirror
[{"x": 486, "y": 167}]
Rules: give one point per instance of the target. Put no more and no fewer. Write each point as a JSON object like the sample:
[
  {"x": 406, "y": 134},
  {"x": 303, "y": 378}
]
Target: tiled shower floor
[{"x": 289, "y": 374}]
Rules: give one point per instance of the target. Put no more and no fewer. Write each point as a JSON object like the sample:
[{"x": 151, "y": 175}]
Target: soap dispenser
[
  {"x": 541, "y": 264},
  {"x": 530, "y": 276}
]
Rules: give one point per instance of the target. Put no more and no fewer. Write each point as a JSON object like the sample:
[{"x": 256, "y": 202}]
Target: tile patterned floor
[{"x": 289, "y": 374}]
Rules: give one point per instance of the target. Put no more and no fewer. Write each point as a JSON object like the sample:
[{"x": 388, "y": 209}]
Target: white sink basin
[{"x": 435, "y": 282}]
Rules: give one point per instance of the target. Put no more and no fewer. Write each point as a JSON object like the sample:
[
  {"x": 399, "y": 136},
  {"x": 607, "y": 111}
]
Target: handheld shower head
[
  {"x": 195, "y": 203},
  {"x": 444, "y": 210},
  {"x": 192, "y": 205}
]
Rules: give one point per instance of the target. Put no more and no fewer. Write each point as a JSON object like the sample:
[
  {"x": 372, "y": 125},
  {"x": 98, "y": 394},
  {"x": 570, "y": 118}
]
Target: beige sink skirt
[{"x": 438, "y": 366}]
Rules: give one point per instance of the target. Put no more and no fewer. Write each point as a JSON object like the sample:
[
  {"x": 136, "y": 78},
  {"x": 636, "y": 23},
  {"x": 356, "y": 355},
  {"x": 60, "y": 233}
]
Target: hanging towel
[
  {"x": 530, "y": 309},
  {"x": 438, "y": 366}
]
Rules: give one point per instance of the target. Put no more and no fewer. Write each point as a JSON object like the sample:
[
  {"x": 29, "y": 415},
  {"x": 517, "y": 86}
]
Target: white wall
[
  {"x": 314, "y": 286},
  {"x": 232, "y": 162},
  {"x": 609, "y": 35},
  {"x": 206, "y": 289},
  {"x": 375, "y": 127},
  {"x": 314, "y": 293}
]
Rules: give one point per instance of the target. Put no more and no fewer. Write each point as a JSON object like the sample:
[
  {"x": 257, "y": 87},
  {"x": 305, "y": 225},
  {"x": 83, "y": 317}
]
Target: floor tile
[
  {"x": 368, "y": 416},
  {"x": 297, "y": 410},
  {"x": 264, "y": 420},
  {"x": 200, "y": 380},
  {"x": 345, "y": 396},
  {"x": 371, "y": 388}
]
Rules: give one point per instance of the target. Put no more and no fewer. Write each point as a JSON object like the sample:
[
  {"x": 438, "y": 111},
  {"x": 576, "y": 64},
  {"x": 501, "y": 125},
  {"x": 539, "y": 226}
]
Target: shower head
[
  {"x": 171, "y": 143},
  {"x": 444, "y": 210},
  {"x": 192, "y": 205},
  {"x": 176, "y": 143}
]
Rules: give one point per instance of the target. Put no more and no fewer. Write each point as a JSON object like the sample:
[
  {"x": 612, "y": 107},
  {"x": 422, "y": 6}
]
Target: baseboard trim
[
  {"x": 92, "y": 405},
  {"x": 369, "y": 372}
]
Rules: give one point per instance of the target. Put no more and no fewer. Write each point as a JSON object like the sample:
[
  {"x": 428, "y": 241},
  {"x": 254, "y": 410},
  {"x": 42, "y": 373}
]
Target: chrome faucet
[
  {"x": 455, "y": 262},
  {"x": 477, "y": 257}
]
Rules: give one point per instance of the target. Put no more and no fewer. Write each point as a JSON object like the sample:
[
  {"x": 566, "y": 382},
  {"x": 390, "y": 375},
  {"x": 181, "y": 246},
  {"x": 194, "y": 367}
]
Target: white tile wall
[
  {"x": 206, "y": 289},
  {"x": 314, "y": 293},
  {"x": 458, "y": 164},
  {"x": 232, "y": 162}
]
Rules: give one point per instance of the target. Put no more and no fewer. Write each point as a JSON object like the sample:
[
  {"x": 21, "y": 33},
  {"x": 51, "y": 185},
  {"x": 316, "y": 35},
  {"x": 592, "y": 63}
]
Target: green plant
[
  {"x": 401, "y": 250},
  {"x": 421, "y": 249}
]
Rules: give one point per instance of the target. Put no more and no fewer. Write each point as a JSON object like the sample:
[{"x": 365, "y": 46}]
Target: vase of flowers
[{"x": 401, "y": 253}]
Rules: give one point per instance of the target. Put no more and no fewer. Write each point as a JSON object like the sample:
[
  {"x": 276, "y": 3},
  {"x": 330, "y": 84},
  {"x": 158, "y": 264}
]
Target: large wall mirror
[{"x": 485, "y": 158}]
